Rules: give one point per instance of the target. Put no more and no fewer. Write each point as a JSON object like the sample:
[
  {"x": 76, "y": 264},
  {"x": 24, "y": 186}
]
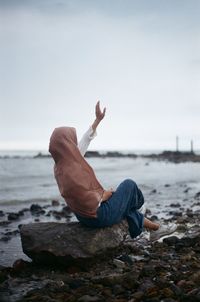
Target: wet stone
[
  {"x": 172, "y": 240},
  {"x": 13, "y": 216},
  {"x": 197, "y": 195},
  {"x": 138, "y": 295},
  {"x": 3, "y": 274},
  {"x": 19, "y": 265},
  {"x": 11, "y": 233},
  {"x": 21, "y": 213},
  {"x": 64, "y": 213},
  {"x": 5, "y": 238},
  {"x": 4, "y": 223},
  {"x": 177, "y": 291},
  {"x": 36, "y": 209},
  {"x": 154, "y": 218},
  {"x": 76, "y": 283},
  {"x": 88, "y": 298},
  {"x": 119, "y": 264},
  {"x": 190, "y": 214},
  {"x": 117, "y": 289},
  {"x": 8, "y": 235},
  {"x": 175, "y": 213},
  {"x": 55, "y": 203},
  {"x": 2, "y": 214},
  {"x": 126, "y": 258},
  {"x": 182, "y": 228},
  {"x": 57, "y": 215},
  {"x": 66, "y": 210},
  {"x": 175, "y": 205},
  {"x": 148, "y": 271}
]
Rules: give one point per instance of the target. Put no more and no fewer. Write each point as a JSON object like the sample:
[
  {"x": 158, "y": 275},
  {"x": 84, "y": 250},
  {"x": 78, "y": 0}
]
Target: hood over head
[{"x": 62, "y": 141}]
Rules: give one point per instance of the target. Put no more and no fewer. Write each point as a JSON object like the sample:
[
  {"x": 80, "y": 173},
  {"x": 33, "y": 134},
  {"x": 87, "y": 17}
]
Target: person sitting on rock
[{"x": 92, "y": 205}]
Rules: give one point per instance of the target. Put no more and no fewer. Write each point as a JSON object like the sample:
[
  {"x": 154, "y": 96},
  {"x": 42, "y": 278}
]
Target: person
[{"x": 92, "y": 205}]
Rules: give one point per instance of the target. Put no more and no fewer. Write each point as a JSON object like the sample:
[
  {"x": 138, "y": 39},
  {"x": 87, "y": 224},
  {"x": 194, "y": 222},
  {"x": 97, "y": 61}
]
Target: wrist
[
  {"x": 97, "y": 120},
  {"x": 95, "y": 124}
]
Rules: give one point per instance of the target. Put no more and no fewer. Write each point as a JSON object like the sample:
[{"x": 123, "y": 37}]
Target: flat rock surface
[{"x": 69, "y": 240}]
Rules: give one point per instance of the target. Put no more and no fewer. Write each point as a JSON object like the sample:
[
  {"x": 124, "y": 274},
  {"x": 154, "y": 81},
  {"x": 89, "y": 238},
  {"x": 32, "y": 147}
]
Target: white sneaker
[
  {"x": 142, "y": 209},
  {"x": 163, "y": 231}
]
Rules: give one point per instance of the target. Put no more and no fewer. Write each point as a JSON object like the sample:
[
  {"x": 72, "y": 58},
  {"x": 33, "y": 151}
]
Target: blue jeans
[{"x": 123, "y": 204}]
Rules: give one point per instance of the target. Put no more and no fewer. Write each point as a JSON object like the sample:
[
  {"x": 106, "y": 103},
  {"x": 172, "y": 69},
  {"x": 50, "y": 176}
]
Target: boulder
[{"x": 65, "y": 242}]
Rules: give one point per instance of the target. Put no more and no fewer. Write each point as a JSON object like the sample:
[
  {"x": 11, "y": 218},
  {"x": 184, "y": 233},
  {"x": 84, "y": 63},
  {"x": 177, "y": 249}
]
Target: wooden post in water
[
  {"x": 177, "y": 141},
  {"x": 191, "y": 145}
]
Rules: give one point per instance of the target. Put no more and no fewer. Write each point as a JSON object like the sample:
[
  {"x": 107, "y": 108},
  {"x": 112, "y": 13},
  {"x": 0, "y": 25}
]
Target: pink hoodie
[{"x": 76, "y": 180}]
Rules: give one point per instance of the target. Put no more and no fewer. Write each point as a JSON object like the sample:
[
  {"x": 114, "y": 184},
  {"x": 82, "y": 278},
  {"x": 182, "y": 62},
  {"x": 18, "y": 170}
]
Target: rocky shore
[
  {"x": 175, "y": 157},
  {"x": 133, "y": 270},
  {"x": 172, "y": 156}
]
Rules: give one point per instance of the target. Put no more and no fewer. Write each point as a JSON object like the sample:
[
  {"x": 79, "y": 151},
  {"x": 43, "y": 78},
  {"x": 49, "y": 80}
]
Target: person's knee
[{"x": 130, "y": 183}]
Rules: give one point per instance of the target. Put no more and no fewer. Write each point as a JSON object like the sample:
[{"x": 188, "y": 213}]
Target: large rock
[{"x": 64, "y": 242}]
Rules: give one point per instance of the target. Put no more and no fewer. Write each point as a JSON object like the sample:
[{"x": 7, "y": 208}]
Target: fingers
[
  {"x": 98, "y": 104},
  {"x": 97, "y": 108},
  {"x": 99, "y": 114}
]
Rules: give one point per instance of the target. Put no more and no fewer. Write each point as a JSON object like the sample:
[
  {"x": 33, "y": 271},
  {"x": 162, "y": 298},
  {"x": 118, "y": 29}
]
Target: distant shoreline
[{"x": 172, "y": 156}]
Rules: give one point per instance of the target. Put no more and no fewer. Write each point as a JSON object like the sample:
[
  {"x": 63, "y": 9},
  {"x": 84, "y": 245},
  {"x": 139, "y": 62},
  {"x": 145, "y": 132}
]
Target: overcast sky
[{"x": 140, "y": 58}]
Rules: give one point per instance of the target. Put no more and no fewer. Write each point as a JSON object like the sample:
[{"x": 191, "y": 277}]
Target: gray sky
[{"x": 140, "y": 58}]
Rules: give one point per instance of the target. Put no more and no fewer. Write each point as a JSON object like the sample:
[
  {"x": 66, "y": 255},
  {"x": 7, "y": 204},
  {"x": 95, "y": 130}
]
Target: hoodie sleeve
[{"x": 85, "y": 140}]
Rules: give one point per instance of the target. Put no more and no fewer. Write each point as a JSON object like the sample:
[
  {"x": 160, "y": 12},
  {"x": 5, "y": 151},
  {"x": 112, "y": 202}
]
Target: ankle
[{"x": 155, "y": 226}]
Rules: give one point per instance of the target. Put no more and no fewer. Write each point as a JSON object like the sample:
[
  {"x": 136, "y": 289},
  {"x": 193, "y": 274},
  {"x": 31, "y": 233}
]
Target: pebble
[
  {"x": 36, "y": 209},
  {"x": 5, "y": 238},
  {"x": 197, "y": 195},
  {"x": 126, "y": 258},
  {"x": 2, "y": 214},
  {"x": 88, "y": 298},
  {"x": 175, "y": 213},
  {"x": 13, "y": 216},
  {"x": 175, "y": 205},
  {"x": 55, "y": 203},
  {"x": 117, "y": 289},
  {"x": 118, "y": 263}
]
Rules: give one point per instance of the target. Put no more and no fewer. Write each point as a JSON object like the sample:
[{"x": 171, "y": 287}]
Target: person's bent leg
[
  {"x": 124, "y": 201},
  {"x": 135, "y": 221},
  {"x": 134, "y": 193},
  {"x": 126, "y": 197}
]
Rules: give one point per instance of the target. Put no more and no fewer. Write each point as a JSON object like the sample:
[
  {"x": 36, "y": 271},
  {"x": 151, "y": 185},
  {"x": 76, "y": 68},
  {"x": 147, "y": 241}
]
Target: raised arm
[
  {"x": 99, "y": 116},
  {"x": 91, "y": 132},
  {"x": 88, "y": 136}
]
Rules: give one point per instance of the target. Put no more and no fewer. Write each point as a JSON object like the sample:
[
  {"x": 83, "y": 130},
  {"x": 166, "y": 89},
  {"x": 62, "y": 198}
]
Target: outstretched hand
[{"x": 99, "y": 114}]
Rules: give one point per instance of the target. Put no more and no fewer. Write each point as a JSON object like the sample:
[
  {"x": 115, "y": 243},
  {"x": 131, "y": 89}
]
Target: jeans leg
[
  {"x": 123, "y": 204},
  {"x": 135, "y": 221}
]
